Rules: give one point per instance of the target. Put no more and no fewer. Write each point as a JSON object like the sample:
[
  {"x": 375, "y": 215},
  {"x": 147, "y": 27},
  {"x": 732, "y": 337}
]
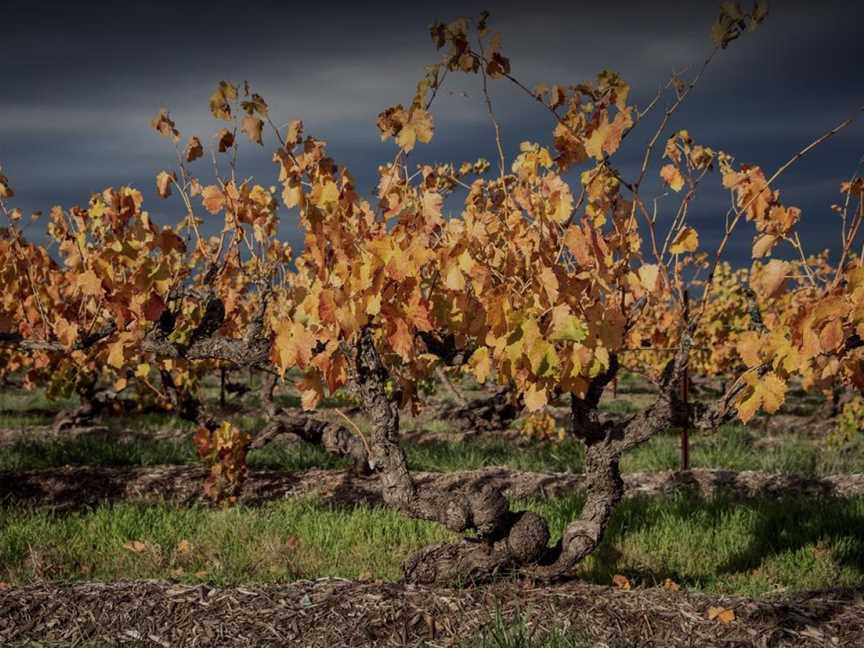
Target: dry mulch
[
  {"x": 71, "y": 487},
  {"x": 334, "y": 612}
]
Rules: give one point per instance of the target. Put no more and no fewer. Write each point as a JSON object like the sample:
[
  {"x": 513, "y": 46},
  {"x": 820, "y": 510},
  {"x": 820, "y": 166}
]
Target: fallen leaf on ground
[
  {"x": 621, "y": 582},
  {"x": 721, "y": 614}
]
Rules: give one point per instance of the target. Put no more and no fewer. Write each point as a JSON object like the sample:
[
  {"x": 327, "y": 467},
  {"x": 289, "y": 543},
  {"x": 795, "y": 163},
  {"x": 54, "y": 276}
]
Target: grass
[
  {"x": 518, "y": 632},
  {"x": 733, "y": 448},
  {"x": 719, "y": 545}
]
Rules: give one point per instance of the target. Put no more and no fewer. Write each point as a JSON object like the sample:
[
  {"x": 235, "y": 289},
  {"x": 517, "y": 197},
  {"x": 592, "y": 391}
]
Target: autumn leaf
[
  {"x": 480, "y": 364},
  {"x": 566, "y": 326},
  {"x": 224, "y": 140},
  {"x": 194, "y": 149},
  {"x": 535, "y": 398},
  {"x": 769, "y": 392},
  {"x": 721, "y": 614},
  {"x": 649, "y": 277},
  {"x": 749, "y": 346},
  {"x": 252, "y": 126},
  {"x": 220, "y": 100},
  {"x": 418, "y": 127},
  {"x": 763, "y": 244},
  {"x": 135, "y": 546},
  {"x": 89, "y": 283},
  {"x": 213, "y": 199},
  {"x": 163, "y": 183},
  {"x": 672, "y": 177},
  {"x": 687, "y": 240},
  {"x": 294, "y": 134},
  {"x": 163, "y": 124},
  {"x": 621, "y": 582},
  {"x": 768, "y": 279},
  {"x": 5, "y": 189}
]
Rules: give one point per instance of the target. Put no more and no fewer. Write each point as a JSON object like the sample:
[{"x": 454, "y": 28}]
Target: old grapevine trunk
[{"x": 505, "y": 539}]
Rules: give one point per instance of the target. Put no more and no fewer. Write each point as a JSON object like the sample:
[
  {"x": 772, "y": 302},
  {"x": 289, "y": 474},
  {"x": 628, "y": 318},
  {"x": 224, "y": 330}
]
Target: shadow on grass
[{"x": 726, "y": 543}]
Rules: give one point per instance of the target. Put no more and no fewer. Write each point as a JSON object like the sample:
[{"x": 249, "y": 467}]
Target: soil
[
  {"x": 72, "y": 487},
  {"x": 332, "y": 612}
]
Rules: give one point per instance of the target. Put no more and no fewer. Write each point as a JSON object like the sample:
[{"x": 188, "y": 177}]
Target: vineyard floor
[
  {"x": 333, "y": 612},
  {"x": 105, "y": 538}
]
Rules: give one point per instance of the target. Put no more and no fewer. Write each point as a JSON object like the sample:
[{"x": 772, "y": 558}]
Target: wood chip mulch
[
  {"x": 72, "y": 487},
  {"x": 334, "y": 612}
]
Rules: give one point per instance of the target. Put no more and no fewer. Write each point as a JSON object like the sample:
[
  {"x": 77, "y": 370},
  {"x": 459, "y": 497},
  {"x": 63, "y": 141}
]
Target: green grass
[
  {"x": 733, "y": 448},
  {"x": 720, "y": 545},
  {"x": 518, "y": 632}
]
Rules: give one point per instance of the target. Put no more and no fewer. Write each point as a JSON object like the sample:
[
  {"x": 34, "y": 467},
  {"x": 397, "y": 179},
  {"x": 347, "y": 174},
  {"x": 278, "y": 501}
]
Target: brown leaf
[
  {"x": 194, "y": 149},
  {"x": 294, "y": 133},
  {"x": 621, "y": 582},
  {"x": 136, "y": 546},
  {"x": 163, "y": 123},
  {"x": 163, "y": 183},
  {"x": 224, "y": 139},
  {"x": 252, "y": 126}
]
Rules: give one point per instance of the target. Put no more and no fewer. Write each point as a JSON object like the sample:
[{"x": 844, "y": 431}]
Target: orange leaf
[
  {"x": 621, "y": 582},
  {"x": 721, "y": 614},
  {"x": 213, "y": 199}
]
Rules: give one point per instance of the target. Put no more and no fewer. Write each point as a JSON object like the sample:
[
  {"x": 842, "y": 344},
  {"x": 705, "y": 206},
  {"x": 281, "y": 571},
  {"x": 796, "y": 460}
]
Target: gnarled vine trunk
[{"x": 505, "y": 539}]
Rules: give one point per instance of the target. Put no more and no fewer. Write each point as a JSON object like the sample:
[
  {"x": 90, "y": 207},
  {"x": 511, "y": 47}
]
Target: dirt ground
[{"x": 72, "y": 487}]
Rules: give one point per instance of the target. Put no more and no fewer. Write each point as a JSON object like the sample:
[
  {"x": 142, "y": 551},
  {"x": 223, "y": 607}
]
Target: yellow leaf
[
  {"x": 594, "y": 143},
  {"x": 769, "y": 392},
  {"x": 454, "y": 280},
  {"x": 749, "y": 345},
  {"x": 672, "y": 177},
  {"x": 687, "y": 240},
  {"x": 763, "y": 244},
  {"x": 373, "y": 304},
  {"x": 480, "y": 364},
  {"x": 89, "y": 283},
  {"x": 649, "y": 277},
  {"x": 767, "y": 280},
  {"x": 142, "y": 370},
  {"x": 535, "y": 398},
  {"x": 418, "y": 127},
  {"x": 549, "y": 282},
  {"x": 566, "y": 326}
]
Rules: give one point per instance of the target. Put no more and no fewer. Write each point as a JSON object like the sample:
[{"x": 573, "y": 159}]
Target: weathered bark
[
  {"x": 504, "y": 538},
  {"x": 92, "y": 405},
  {"x": 507, "y": 540},
  {"x": 494, "y": 412},
  {"x": 334, "y": 438}
]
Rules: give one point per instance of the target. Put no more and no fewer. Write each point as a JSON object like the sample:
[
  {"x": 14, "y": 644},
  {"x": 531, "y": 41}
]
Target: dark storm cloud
[{"x": 82, "y": 80}]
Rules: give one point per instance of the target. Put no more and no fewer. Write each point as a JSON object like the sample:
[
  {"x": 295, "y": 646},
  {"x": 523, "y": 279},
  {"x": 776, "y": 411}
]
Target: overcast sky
[{"x": 81, "y": 81}]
